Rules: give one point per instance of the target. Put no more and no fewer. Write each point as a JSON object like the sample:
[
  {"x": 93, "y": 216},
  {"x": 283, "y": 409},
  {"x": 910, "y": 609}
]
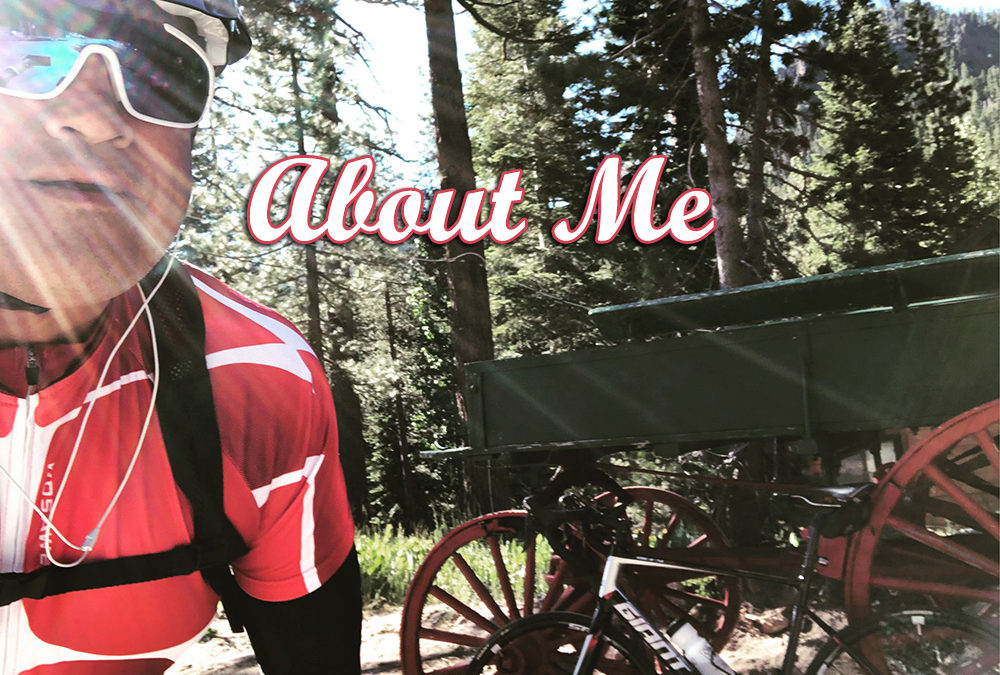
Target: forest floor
[{"x": 750, "y": 651}]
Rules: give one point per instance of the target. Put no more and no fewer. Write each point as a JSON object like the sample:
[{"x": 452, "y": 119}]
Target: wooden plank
[
  {"x": 862, "y": 371},
  {"x": 897, "y": 286}
]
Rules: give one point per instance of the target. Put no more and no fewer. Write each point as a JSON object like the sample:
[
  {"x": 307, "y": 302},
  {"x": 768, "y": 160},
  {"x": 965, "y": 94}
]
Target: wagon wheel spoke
[
  {"x": 676, "y": 525},
  {"x": 529, "y": 578},
  {"x": 452, "y": 637},
  {"x": 937, "y": 589},
  {"x": 942, "y": 544},
  {"x": 464, "y": 591},
  {"x": 463, "y": 609},
  {"x": 698, "y": 541},
  {"x": 480, "y": 589},
  {"x": 920, "y": 562},
  {"x": 990, "y": 449},
  {"x": 966, "y": 472},
  {"x": 677, "y": 610},
  {"x": 689, "y": 595},
  {"x": 556, "y": 587},
  {"x": 975, "y": 511},
  {"x": 451, "y": 670},
  {"x": 647, "y": 525},
  {"x": 503, "y": 577},
  {"x": 942, "y": 508},
  {"x": 668, "y": 532}
]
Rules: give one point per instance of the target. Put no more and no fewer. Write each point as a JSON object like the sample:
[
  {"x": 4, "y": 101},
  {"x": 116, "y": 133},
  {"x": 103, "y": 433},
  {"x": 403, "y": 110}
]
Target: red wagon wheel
[
  {"x": 664, "y": 521},
  {"x": 450, "y": 607},
  {"x": 484, "y": 574},
  {"x": 934, "y": 530}
]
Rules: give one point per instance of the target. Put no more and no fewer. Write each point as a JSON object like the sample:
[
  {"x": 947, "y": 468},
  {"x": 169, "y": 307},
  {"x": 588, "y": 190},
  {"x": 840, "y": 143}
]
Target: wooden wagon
[{"x": 873, "y": 358}]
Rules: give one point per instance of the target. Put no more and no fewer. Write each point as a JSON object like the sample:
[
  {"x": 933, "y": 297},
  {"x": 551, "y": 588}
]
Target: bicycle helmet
[{"x": 220, "y": 24}]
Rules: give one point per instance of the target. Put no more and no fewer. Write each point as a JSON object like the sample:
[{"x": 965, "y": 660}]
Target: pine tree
[
  {"x": 554, "y": 107},
  {"x": 948, "y": 206},
  {"x": 867, "y": 154}
]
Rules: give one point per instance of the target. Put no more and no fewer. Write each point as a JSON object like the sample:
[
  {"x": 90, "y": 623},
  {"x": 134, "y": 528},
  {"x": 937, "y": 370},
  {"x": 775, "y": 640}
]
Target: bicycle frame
[{"x": 612, "y": 598}]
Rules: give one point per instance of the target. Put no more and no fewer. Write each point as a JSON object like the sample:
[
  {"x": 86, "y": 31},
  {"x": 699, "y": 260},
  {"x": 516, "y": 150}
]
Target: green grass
[{"x": 389, "y": 560}]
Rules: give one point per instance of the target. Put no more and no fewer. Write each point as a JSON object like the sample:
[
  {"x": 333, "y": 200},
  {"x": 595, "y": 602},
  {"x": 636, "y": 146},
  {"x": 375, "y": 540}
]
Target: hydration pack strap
[
  {"x": 186, "y": 411},
  {"x": 190, "y": 430},
  {"x": 46, "y": 581}
]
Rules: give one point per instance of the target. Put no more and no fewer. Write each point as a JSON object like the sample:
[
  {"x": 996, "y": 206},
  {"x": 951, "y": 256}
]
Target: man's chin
[{"x": 62, "y": 297}]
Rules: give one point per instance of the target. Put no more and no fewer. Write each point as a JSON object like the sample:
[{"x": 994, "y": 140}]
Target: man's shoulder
[{"x": 240, "y": 331}]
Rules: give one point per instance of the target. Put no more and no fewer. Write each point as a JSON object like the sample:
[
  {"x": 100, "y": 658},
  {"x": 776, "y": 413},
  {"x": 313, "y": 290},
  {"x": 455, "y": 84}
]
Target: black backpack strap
[
  {"x": 46, "y": 581},
  {"x": 186, "y": 412},
  {"x": 190, "y": 430}
]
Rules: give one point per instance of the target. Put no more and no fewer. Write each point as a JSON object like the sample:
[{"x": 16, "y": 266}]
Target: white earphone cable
[{"x": 90, "y": 540}]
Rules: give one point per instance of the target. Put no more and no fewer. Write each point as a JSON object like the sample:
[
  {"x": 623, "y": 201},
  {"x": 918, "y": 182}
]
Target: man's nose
[{"x": 89, "y": 109}]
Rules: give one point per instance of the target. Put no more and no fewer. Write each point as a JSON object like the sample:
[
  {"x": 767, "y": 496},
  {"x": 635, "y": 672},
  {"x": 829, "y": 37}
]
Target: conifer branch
[{"x": 468, "y": 5}]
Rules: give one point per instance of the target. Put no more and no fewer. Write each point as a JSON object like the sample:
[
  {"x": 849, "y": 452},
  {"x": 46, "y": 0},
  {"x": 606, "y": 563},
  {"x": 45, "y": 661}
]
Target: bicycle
[{"x": 620, "y": 639}]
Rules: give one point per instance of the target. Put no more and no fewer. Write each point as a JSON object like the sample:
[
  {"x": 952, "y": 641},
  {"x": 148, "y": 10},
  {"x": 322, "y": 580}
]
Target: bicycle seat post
[{"x": 807, "y": 571}]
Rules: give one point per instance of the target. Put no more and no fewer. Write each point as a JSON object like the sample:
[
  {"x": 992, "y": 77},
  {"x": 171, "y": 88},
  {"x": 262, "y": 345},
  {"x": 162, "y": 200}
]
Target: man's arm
[{"x": 317, "y": 634}]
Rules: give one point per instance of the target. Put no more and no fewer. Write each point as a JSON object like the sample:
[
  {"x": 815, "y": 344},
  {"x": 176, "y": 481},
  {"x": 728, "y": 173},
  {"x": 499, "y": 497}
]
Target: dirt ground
[
  {"x": 223, "y": 653},
  {"x": 749, "y": 651}
]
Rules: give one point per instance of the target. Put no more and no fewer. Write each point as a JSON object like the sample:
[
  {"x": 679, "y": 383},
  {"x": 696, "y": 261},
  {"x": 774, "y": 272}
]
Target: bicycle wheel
[
  {"x": 550, "y": 643},
  {"x": 912, "y": 642}
]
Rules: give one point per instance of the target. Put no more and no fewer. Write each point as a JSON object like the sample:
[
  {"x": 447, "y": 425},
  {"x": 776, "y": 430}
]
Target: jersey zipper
[
  {"x": 31, "y": 370},
  {"x": 17, "y": 515}
]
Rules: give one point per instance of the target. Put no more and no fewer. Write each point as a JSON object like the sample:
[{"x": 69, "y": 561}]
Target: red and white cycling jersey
[{"x": 284, "y": 489}]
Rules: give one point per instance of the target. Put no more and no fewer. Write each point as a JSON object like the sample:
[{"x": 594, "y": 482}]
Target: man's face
[{"x": 90, "y": 196}]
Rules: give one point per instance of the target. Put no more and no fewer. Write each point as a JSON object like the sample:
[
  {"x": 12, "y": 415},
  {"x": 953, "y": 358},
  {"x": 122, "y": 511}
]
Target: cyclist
[{"x": 98, "y": 103}]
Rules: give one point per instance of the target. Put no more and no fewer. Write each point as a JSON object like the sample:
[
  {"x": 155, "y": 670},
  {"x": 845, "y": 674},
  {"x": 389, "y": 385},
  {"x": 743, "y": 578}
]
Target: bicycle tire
[
  {"x": 549, "y": 644},
  {"x": 912, "y": 642}
]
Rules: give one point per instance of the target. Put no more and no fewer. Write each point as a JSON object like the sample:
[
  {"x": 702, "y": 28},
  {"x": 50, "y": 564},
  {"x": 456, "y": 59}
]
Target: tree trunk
[
  {"x": 346, "y": 402},
  {"x": 756, "y": 233},
  {"x": 314, "y": 331},
  {"x": 407, "y": 501},
  {"x": 350, "y": 438},
  {"x": 722, "y": 184},
  {"x": 471, "y": 325}
]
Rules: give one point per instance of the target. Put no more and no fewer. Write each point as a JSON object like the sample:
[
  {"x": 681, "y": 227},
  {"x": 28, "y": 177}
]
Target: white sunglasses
[{"x": 167, "y": 81}]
